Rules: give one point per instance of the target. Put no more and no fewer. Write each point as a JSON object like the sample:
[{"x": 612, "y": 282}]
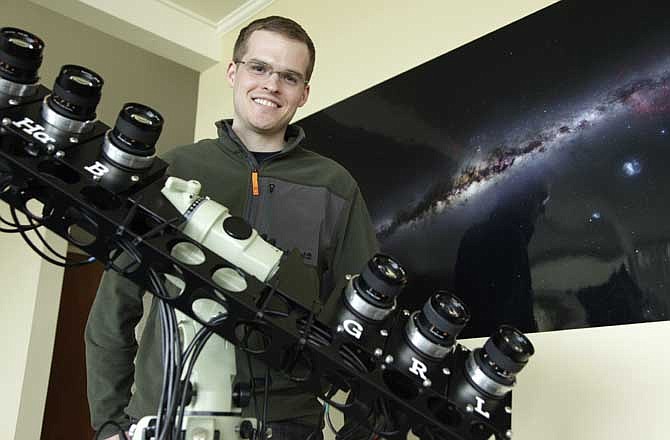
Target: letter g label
[{"x": 353, "y": 328}]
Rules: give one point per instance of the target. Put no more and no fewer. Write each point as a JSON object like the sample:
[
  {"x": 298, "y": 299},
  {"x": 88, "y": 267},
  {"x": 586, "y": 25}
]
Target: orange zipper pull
[{"x": 255, "y": 189}]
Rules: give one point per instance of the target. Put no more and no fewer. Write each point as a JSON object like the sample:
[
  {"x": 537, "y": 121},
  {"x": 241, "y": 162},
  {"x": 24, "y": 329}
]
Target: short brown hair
[{"x": 281, "y": 25}]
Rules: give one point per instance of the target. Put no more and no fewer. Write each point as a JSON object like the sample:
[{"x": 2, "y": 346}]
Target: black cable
[
  {"x": 44, "y": 242},
  {"x": 164, "y": 349},
  {"x": 253, "y": 383},
  {"x": 158, "y": 287},
  {"x": 185, "y": 382},
  {"x": 15, "y": 227},
  {"x": 36, "y": 226},
  {"x": 172, "y": 358},
  {"x": 387, "y": 421},
  {"x": 122, "y": 245},
  {"x": 176, "y": 221},
  {"x": 277, "y": 313},
  {"x": 320, "y": 337},
  {"x": 175, "y": 389},
  {"x": 266, "y": 398},
  {"x": 32, "y": 246},
  {"x": 174, "y": 372}
]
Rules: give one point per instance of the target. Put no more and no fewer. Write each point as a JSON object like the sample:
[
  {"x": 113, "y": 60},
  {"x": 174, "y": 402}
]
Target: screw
[
  {"x": 74, "y": 140},
  {"x": 508, "y": 409},
  {"x": 389, "y": 359},
  {"x": 97, "y": 177},
  {"x": 13, "y": 102},
  {"x": 427, "y": 383},
  {"x": 340, "y": 328},
  {"x": 51, "y": 148},
  {"x": 379, "y": 352},
  {"x": 383, "y": 366},
  {"x": 6, "y": 121},
  {"x": 508, "y": 433},
  {"x": 446, "y": 371},
  {"x": 135, "y": 178},
  {"x": 348, "y": 277},
  {"x": 405, "y": 313},
  {"x": 469, "y": 408},
  {"x": 384, "y": 332},
  {"x": 60, "y": 154}
]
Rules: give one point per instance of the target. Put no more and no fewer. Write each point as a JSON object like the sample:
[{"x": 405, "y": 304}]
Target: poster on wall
[{"x": 526, "y": 171}]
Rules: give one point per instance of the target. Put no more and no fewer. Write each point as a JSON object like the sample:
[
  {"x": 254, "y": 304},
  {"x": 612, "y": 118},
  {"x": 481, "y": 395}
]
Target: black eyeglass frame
[{"x": 282, "y": 73}]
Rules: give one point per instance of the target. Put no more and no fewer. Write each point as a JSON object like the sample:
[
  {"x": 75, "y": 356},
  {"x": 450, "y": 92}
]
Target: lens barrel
[
  {"x": 443, "y": 317},
  {"x": 494, "y": 367},
  {"x": 132, "y": 141},
  {"x": 372, "y": 294},
  {"x": 434, "y": 329},
  {"x": 137, "y": 129},
  {"x": 508, "y": 349},
  {"x": 76, "y": 93},
  {"x": 20, "y": 55},
  {"x": 382, "y": 278}
]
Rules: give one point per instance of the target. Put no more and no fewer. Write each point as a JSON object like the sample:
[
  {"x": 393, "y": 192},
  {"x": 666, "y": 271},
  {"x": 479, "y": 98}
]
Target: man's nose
[{"x": 272, "y": 81}]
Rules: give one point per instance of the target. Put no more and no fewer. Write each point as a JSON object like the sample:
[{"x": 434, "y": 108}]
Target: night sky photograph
[{"x": 525, "y": 171}]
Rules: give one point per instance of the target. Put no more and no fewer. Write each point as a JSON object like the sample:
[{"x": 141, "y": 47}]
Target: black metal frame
[{"x": 124, "y": 210}]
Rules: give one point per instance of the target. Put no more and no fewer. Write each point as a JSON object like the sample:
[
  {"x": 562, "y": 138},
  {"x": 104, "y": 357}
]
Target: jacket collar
[{"x": 229, "y": 139}]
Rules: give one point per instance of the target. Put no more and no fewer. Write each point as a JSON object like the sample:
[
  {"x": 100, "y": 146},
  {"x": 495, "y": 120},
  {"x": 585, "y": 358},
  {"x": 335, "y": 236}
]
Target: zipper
[
  {"x": 255, "y": 189},
  {"x": 254, "y": 199},
  {"x": 249, "y": 209}
]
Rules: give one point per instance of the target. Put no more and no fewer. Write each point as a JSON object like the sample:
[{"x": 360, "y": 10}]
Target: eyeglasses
[{"x": 261, "y": 69}]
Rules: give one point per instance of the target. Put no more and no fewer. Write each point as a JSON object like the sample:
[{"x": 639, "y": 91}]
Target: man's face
[{"x": 266, "y": 104}]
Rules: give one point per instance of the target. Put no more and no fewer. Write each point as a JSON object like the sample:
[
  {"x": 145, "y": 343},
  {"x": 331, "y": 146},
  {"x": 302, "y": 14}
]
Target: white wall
[
  {"x": 30, "y": 289},
  {"x": 130, "y": 73},
  {"x": 29, "y": 300},
  {"x": 362, "y": 43},
  {"x": 600, "y": 383},
  {"x": 590, "y": 384}
]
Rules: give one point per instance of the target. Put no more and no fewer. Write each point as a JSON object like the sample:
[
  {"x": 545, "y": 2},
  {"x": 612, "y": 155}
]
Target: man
[{"x": 258, "y": 169}]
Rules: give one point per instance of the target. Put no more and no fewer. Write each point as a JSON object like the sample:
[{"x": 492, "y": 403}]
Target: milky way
[{"x": 649, "y": 95}]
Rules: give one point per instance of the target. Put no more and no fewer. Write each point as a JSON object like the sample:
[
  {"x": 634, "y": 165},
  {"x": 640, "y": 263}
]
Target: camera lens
[
  {"x": 383, "y": 277},
  {"x": 433, "y": 330},
  {"x": 20, "y": 55},
  {"x": 132, "y": 142},
  {"x": 137, "y": 129},
  {"x": 494, "y": 367},
  {"x": 443, "y": 317},
  {"x": 76, "y": 93},
  {"x": 509, "y": 349},
  {"x": 372, "y": 293}
]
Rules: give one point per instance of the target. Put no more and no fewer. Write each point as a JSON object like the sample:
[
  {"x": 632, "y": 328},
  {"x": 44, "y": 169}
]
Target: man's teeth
[{"x": 265, "y": 102}]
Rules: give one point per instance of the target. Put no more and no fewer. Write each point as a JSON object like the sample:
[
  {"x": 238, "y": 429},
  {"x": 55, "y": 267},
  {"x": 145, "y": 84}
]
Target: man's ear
[
  {"x": 305, "y": 95},
  {"x": 230, "y": 73}
]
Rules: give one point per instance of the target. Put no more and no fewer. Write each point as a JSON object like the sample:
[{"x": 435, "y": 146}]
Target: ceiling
[
  {"x": 189, "y": 32},
  {"x": 214, "y": 11}
]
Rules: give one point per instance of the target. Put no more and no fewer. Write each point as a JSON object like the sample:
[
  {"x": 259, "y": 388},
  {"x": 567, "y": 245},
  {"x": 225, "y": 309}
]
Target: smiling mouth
[{"x": 265, "y": 102}]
